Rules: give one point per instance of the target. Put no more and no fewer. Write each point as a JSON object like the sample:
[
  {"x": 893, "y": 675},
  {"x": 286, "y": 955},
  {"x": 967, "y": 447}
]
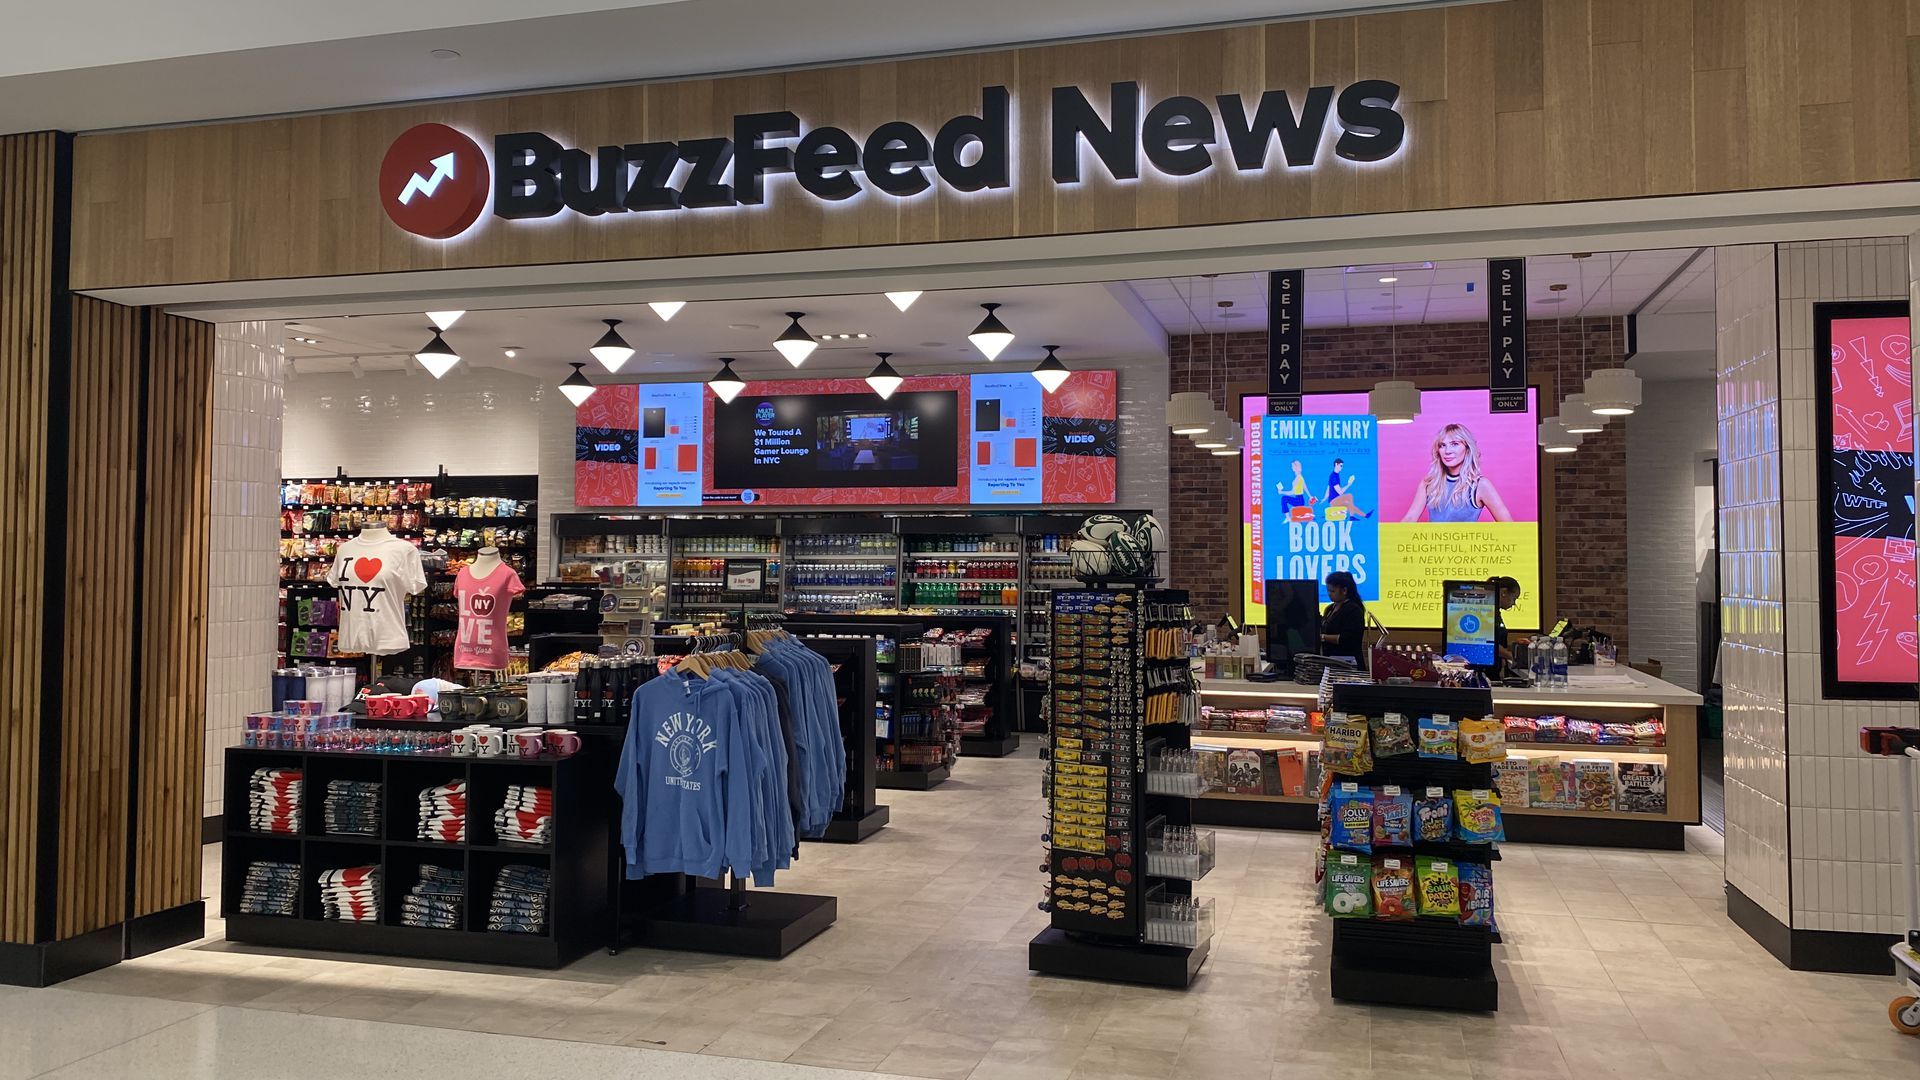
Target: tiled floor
[{"x": 1617, "y": 963}]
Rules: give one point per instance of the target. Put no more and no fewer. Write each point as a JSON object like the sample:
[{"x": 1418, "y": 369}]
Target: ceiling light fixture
[
  {"x": 666, "y": 309},
  {"x": 437, "y": 356},
  {"x": 1581, "y": 419},
  {"x": 1555, "y": 438},
  {"x": 1051, "y": 373},
  {"x": 1219, "y": 428},
  {"x": 576, "y": 387},
  {"x": 1389, "y": 279},
  {"x": 1613, "y": 391},
  {"x": 353, "y": 365},
  {"x": 511, "y": 351},
  {"x": 1233, "y": 447},
  {"x": 794, "y": 342},
  {"x": 1189, "y": 412},
  {"x": 726, "y": 384},
  {"x": 1394, "y": 401},
  {"x": 883, "y": 378},
  {"x": 904, "y": 300},
  {"x": 444, "y": 320},
  {"x": 611, "y": 350},
  {"x": 991, "y": 337}
]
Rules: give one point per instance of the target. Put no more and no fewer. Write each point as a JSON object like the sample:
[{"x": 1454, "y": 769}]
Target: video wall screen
[
  {"x": 1864, "y": 422},
  {"x": 989, "y": 439},
  {"x": 1404, "y": 508}
]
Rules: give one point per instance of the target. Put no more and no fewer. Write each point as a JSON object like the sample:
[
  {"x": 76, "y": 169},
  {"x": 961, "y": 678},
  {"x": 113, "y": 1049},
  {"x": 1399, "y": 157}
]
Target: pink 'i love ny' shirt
[{"x": 484, "y": 603}]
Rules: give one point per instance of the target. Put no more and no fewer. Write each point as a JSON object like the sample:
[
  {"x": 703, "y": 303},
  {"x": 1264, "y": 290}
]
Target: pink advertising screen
[
  {"x": 1458, "y": 499},
  {"x": 1864, "y": 414}
]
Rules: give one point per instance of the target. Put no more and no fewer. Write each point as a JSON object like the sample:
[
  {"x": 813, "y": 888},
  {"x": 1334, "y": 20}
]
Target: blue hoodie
[
  {"x": 688, "y": 780},
  {"x": 814, "y": 703}
]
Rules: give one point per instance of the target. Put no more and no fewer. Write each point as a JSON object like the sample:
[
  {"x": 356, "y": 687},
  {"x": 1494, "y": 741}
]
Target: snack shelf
[{"x": 1296, "y": 800}]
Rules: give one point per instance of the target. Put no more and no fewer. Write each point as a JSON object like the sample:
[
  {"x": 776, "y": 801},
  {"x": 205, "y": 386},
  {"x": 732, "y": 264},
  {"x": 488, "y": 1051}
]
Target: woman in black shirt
[{"x": 1344, "y": 625}]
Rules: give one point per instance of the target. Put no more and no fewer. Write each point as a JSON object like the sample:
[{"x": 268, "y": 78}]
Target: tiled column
[{"x": 249, "y": 404}]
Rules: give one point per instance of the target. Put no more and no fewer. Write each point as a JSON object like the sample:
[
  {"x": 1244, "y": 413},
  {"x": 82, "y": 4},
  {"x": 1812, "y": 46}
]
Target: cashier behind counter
[{"x": 1506, "y": 594}]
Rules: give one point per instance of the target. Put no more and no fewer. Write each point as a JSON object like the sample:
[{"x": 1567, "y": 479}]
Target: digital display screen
[
  {"x": 1864, "y": 417},
  {"x": 989, "y": 439},
  {"x": 1455, "y": 495},
  {"x": 1471, "y": 611}
]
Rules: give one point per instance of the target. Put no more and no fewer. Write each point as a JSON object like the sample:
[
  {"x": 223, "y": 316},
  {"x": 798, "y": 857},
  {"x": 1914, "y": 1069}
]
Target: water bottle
[
  {"x": 1539, "y": 663},
  {"x": 1559, "y": 664}
]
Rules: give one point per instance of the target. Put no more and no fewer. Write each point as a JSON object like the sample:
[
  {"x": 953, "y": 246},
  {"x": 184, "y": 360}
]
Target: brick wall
[{"x": 1589, "y": 562}]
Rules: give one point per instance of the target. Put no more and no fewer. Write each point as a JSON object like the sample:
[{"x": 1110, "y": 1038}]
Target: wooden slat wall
[
  {"x": 176, "y": 500},
  {"x": 1526, "y": 101},
  {"x": 26, "y": 309},
  {"x": 96, "y": 728}
]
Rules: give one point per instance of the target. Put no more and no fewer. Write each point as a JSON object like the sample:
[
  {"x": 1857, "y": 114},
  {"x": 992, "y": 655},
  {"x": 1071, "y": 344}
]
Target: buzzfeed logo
[{"x": 434, "y": 182}]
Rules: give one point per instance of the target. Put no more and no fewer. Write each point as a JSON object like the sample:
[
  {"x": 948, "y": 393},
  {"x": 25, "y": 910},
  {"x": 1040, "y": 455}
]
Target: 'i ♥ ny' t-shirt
[
  {"x": 484, "y": 603},
  {"x": 374, "y": 578}
]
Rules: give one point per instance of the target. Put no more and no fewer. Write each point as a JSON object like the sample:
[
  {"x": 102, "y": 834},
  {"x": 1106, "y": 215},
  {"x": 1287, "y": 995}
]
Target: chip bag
[
  {"x": 1346, "y": 746},
  {"x": 1433, "y": 817},
  {"x": 1391, "y": 735},
  {"x": 1476, "y": 894},
  {"x": 1437, "y": 886},
  {"x": 1477, "y": 816},
  {"x": 1439, "y": 738},
  {"x": 1393, "y": 818},
  {"x": 1349, "y": 886},
  {"x": 1350, "y": 817},
  {"x": 1393, "y": 889},
  {"x": 1482, "y": 741}
]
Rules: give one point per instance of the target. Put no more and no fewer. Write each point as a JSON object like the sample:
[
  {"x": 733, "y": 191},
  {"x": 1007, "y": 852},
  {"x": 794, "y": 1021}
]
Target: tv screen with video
[{"x": 830, "y": 440}]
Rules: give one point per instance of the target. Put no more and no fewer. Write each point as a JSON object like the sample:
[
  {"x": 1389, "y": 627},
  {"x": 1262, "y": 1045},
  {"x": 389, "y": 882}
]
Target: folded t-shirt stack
[
  {"x": 353, "y": 807},
  {"x": 443, "y": 813},
  {"x": 519, "y": 900},
  {"x": 273, "y": 800},
  {"x": 526, "y": 816},
  {"x": 437, "y": 899},
  {"x": 272, "y": 888},
  {"x": 350, "y": 894}
]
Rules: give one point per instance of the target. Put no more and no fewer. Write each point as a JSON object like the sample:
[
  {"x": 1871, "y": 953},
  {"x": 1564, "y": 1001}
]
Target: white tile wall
[
  {"x": 243, "y": 550},
  {"x": 1843, "y": 816},
  {"x": 1666, "y": 438},
  {"x": 1752, "y": 594}
]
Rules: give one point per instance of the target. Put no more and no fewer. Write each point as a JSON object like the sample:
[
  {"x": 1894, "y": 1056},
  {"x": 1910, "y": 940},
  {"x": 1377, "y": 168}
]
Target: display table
[{"x": 1618, "y": 694}]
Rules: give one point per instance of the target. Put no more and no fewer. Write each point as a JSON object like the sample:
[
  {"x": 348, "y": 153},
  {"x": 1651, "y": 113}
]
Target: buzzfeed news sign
[{"x": 436, "y": 182}]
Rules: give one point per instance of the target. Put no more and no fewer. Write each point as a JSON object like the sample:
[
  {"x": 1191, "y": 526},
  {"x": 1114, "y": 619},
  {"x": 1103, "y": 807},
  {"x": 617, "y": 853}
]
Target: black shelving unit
[
  {"x": 1434, "y": 963},
  {"x": 576, "y": 856},
  {"x": 854, "y": 680},
  {"x": 892, "y": 687},
  {"x": 1099, "y": 888}
]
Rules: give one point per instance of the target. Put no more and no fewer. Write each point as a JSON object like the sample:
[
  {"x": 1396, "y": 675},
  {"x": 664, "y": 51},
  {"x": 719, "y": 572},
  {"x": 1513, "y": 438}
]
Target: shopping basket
[{"x": 1904, "y": 743}]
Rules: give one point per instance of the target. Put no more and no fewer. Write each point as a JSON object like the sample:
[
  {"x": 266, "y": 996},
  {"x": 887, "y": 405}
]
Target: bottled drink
[
  {"x": 1540, "y": 663},
  {"x": 1559, "y": 664}
]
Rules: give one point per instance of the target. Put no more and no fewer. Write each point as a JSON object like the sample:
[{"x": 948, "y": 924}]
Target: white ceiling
[
  {"x": 86, "y": 65},
  {"x": 1664, "y": 281}
]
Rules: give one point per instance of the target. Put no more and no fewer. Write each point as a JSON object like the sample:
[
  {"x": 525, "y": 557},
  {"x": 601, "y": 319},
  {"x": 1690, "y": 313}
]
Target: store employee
[
  {"x": 1506, "y": 593},
  {"x": 1344, "y": 625}
]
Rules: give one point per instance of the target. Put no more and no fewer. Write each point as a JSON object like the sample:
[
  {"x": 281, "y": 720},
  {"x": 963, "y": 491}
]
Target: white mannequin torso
[{"x": 486, "y": 562}]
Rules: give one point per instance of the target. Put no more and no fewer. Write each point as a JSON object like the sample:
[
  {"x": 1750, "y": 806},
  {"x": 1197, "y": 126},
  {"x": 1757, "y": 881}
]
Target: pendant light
[
  {"x": 1580, "y": 418},
  {"x": 904, "y": 300},
  {"x": 1235, "y": 443},
  {"x": 1555, "y": 438},
  {"x": 1188, "y": 411},
  {"x": 1051, "y": 373},
  {"x": 437, "y": 356},
  {"x": 883, "y": 378},
  {"x": 1612, "y": 391},
  {"x": 444, "y": 320},
  {"x": 794, "y": 342},
  {"x": 576, "y": 387},
  {"x": 611, "y": 350},
  {"x": 991, "y": 337},
  {"x": 666, "y": 309},
  {"x": 1394, "y": 401},
  {"x": 726, "y": 384},
  {"x": 1216, "y": 435}
]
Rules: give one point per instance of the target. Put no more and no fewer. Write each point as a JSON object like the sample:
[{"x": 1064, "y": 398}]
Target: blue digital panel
[
  {"x": 670, "y": 444},
  {"x": 1003, "y": 438}
]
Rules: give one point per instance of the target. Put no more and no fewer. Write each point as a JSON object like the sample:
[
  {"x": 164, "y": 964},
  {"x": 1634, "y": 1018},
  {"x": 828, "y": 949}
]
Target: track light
[
  {"x": 666, "y": 309},
  {"x": 991, "y": 337},
  {"x": 903, "y": 300},
  {"x": 883, "y": 378},
  {"x": 437, "y": 356},
  {"x": 726, "y": 384},
  {"x": 794, "y": 342},
  {"x": 611, "y": 350},
  {"x": 1051, "y": 373},
  {"x": 576, "y": 387}
]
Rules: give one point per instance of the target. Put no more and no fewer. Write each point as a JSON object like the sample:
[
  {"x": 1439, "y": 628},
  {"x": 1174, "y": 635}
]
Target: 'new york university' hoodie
[{"x": 686, "y": 786}]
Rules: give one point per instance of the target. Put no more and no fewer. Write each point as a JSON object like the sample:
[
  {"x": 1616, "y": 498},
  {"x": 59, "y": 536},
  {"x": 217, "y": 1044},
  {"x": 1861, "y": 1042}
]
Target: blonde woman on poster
[{"x": 1454, "y": 489}]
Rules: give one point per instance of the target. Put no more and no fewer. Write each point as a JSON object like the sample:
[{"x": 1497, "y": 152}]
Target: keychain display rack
[
  {"x": 1122, "y": 854},
  {"x": 1435, "y": 963}
]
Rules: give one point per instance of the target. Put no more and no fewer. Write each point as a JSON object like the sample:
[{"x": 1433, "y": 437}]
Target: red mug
[
  {"x": 563, "y": 743},
  {"x": 382, "y": 705},
  {"x": 413, "y": 706}
]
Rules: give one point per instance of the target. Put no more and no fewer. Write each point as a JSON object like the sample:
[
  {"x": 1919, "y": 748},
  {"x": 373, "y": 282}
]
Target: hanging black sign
[
  {"x": 1507, "y": 335},
  {"x": 1286, "y": 293}
]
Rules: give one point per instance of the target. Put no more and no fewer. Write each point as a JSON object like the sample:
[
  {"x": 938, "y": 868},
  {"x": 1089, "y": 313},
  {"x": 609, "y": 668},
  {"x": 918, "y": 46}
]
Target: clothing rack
[{"x": 682, "y": 912}]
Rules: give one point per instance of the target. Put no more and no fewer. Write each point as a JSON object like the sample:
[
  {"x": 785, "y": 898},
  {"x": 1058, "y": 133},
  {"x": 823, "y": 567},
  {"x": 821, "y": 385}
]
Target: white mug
[
  {"x": 495, "y": 742},
  {"x": 466, "y": 742}
]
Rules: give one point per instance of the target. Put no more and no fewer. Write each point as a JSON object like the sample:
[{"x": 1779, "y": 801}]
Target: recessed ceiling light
[
  {"x": 1389, "y": 279},
  {"x": 444, "y": 54},
  {"x": 743, "y": 326},
  {"x": 511, "y": 351},
  {"x": 1389, "y": 307},
  {"x": 933, "y": 344},
  {"x": 1233, "y": 314}
]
